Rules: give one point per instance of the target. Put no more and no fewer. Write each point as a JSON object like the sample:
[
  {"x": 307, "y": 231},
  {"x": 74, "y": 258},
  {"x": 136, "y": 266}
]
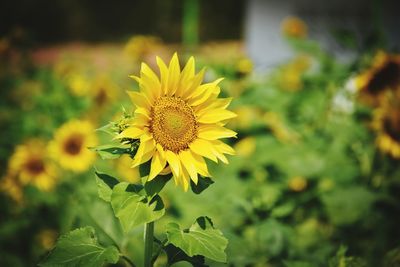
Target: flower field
[{"x": 294, "y": 167}]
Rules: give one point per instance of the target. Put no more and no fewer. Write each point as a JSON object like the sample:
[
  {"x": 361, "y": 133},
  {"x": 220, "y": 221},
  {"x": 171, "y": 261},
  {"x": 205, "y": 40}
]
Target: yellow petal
[
  {"x": 185, "y": 180},
  {"x": 213, "y": 132},
  {"x": 140, "y": 120},
  {"x": 174, "y": 162},
  {"x": 188, "y": 162},
  {"x": 203, "y": 148},
  {"x": 144, "y": 152},
  {"x": 194, "y": 84},
  {"x": 157, "y": 165},
  {"x": 173, "y": 75},
  {"x": 223, "y": 148},
  {"x": 206, "y": 89},
  {"x": 220, "y": 103},
  {"x": 163, "y": 74},
  {"x": 139, "y": 99},
  {"x": 200, "y": 164},
  {"x": 131, "y": 132},
  {"x": 216, "y": 115},
  {"x": 186, "y": 75}
]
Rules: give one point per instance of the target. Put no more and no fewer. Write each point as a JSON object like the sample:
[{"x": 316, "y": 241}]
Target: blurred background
[{"x": 316, "y": 86}]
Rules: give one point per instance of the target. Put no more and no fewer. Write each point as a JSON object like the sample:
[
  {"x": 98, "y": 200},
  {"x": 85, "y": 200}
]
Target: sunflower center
[
  {"x": 391, "y": 126},
  {"x": 35, "y": 166},
  {"x": 173, "y": 123},
  {"x": 387, "y": 77},
  {"x": 73, "y": 144}
]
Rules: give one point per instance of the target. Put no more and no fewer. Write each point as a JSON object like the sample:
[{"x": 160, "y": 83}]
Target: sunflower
[
  {"x": 123, "y": 166},
  {"x": 178, "y": 121},
  {"x": 30, "y": 165},
  {"x": 387, "y": 123},
  {"x": 70, "y": 145},
  {"x": 12, "y": 187},
  {"x": 140, "y": 47},
  {"x": 294, "y": 27},
  {"x": 383, "y": 76},
  {"x": 103, "y": 91}
]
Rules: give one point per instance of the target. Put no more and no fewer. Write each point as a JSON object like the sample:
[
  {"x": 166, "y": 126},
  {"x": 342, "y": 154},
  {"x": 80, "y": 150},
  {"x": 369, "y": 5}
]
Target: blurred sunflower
[
  {"x": 381, "y": 77},
  {"x": 244, "y": 66},
  {"x": 78, "y": 84},
  {"x": 47, "y": 238},
  {"x": 290, "y": 74},
  {"x": 294, "y": 27},
  {"x": 139, "y": 47},
  {"x": 103, "y": 91},
  {"x": 387, "y": 123},
  {"x": 30, "y": 165},
  {"x": 12, "y": 187},
  {"x": 179, "y": 121},
  {"x": 70, "y": 145},
  {"x": 123, "y": 166}
]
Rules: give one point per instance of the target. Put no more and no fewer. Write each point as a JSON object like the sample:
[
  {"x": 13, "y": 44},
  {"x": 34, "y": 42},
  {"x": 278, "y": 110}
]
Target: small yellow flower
[
  {"x": 247, "y": 116},
  {"x": 245, "y": 147},
  {"x": 47, "y": 238},
  {"x": 139, "y": 47},
  {"x": 103, "y": 91},
  {"x": 381, "y": 77},
  {"x": 12, "y": 187},
  {"x": 123, "y": 166},
  {"x": 70, "y": 145},
  {"x": 294, "y": 27},
  {"x": 297, "y": 183},
  {"x": 78, "y": 84},
  {"x": 387, "y": 123},
  {"x": 30, "y": 165},
  {"x": 178, "y": 121},
  {"x": 278, "y": 128},
  {"x": 290, "y": 74},
  {"x": 244, "y": 66}
]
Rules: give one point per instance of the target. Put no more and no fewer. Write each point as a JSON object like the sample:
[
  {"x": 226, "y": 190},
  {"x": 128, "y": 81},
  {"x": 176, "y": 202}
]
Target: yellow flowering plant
[{"x": 177, "y": 122}]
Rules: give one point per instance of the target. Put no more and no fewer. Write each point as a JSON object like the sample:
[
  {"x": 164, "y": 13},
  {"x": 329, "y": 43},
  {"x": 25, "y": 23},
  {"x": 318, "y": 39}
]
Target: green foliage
[
  {"x": 80, "y": 248},
  {"x": 133, "y": 208},
  {"x": 200, "y": 239},
  {"x": 105, "y": 184},
  {"x": 111, "y": 151},
  {"x": 202, "y": 184}
]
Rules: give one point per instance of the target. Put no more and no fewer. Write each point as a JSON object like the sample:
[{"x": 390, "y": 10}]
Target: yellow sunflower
[
  {"x": 30, "y": 165},
  {"x": 387, "y": 123},
  {"x": 178, "y": 121},
  {"x": 123, "y": 166},
  {"x": 294, "y": 27},
  {"x": 12, "y": 187},
  {"x": 381, "y": 77},
  {"x": 140, "y": 47},
  {"x": 103, "y": 91},
  {"x": 70, "y": 145}
]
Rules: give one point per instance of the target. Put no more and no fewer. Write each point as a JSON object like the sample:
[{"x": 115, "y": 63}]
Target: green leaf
[
  {"x": 80, "y": 248},
  {"x": 156, "y": 185},
  {"x": 111, "y": 151},
  {"x": 202, "y": 184},
  {"x": 133, "y": 208},
  {"x": 200, "y": 239},
  {"x": 175, "y": 254},
  {"x": 144, "y": 169},
  {"x": 105, "y": 184}
]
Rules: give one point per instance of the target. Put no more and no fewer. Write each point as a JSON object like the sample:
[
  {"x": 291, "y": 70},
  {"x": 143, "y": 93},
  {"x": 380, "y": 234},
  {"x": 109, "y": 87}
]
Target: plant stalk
[{"x": 148, "y": 243}]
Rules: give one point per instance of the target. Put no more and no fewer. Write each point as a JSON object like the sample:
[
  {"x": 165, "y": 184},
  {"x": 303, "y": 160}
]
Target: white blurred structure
[{"x": 267, "y": 47}]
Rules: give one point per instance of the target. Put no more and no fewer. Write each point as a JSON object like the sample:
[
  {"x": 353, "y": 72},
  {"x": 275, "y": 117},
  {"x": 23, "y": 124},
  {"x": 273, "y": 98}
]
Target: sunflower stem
[{"x": 148, "y": 243}]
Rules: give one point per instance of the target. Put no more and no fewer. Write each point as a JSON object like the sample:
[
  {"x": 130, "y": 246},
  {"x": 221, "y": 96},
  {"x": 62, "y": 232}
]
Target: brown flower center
[
  {"x": 35, "y": 166},
  {"x": 73, "y": 144},
  {"x": 388, "y": 77},
  {"x": 173, "y": 123}
]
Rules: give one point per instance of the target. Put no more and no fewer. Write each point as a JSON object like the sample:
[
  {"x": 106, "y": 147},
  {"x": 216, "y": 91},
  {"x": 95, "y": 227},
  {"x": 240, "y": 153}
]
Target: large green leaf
[
  {"x": 202, "y": 184},
  {"x": 133, "y": 208},
  {"x": 200, "y": 239},
  {"x": 80, "y": 248},
  {"x": 105, "y": 184}
]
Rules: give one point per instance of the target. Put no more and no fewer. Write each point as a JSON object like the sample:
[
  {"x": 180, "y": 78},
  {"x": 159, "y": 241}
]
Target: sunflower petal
[
  {"x": 203, "y": 148},
  {"x": 163, "y": 74},
  {"x": 138, "y": 99},
  {"x": 213, "y": 132},
  {"x": 173, "y": 74},
  {"x": 216, "y": 115},
  {"x": 131, "y": 132},
  {"x": 157, "y": 165},
  {"x": 174, "y": 162},
  {"x": 188, "y": 162}
]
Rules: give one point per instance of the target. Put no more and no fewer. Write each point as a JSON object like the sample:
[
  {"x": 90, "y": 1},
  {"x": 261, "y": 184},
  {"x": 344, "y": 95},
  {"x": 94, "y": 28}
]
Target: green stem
[
  {"x": 148, "y": 243},
  {"x": 128, "y": 261}
]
